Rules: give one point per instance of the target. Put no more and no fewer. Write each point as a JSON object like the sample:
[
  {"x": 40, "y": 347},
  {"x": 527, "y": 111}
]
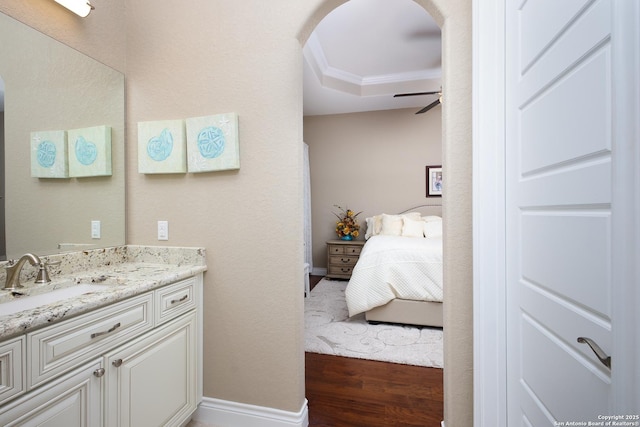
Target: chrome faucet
[{"x": 13, "y": 270}]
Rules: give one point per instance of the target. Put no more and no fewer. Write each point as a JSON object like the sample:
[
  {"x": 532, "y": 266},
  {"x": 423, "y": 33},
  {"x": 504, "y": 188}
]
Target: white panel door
[{"x": 560, "y": 209}]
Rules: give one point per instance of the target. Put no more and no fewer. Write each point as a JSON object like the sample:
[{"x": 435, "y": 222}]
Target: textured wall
[
  {"x": 218, "y": 57},
  {"x": 457, "y": 204}
]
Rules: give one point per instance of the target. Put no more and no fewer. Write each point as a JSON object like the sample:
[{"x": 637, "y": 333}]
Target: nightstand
[{"x": 342, "y": 256}]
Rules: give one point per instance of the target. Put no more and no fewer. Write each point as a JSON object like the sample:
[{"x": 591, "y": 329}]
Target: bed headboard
[{"x": 425, "y": 210}]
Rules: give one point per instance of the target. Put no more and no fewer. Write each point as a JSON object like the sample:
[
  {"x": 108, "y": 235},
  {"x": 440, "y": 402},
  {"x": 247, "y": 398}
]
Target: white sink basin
[{"x": 34, "y": 301}]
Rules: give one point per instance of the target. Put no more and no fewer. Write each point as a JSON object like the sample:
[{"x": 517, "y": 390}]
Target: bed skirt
[{"x": 422, "y": 313}]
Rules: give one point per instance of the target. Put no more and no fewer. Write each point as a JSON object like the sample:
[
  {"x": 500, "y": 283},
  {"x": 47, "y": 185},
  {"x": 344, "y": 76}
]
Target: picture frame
[
  {"x": 213, "y": 143},
  {"x": 89, "y": 151},
  {"x": 434, "y": 181},
  {"x": 162, "y": 147}
]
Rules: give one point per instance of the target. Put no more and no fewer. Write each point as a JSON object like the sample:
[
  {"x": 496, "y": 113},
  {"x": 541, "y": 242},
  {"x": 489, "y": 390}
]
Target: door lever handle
[{"x": 601, "y": 355}]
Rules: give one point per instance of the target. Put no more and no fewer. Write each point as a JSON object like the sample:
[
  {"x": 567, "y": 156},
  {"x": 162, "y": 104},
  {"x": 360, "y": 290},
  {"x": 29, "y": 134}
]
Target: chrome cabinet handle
[
  {"x": 113, "y": 328},
  {"x": 601, "y": 355},
  {"x": 117, "y": 363},
  {"x": 174, "y": 301},
  {"x": 99, "y": 372}
]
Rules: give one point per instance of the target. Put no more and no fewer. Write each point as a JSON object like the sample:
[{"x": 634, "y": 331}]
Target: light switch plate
[
  {"x": 163, "y": 230},
  {"x": 95, "y": 229}
]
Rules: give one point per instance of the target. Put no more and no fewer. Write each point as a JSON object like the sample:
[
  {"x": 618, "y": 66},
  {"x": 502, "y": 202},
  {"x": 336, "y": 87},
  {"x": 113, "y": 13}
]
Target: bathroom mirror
[{"x": 49, "y": 86}]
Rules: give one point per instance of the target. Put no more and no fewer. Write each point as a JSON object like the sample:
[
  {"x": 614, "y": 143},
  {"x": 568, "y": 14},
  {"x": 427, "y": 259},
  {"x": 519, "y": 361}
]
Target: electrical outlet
[
  {"x": 95, "y": 229},
  {"x": 163, "y": 230}
]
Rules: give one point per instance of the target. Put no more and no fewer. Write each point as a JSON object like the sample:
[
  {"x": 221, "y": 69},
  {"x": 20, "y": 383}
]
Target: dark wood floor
[{"x": 345, "y": 392}]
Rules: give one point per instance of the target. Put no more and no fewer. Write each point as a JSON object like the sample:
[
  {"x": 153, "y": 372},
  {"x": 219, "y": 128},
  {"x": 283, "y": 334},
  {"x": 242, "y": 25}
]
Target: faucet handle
[{"x": 43, "y": 273}]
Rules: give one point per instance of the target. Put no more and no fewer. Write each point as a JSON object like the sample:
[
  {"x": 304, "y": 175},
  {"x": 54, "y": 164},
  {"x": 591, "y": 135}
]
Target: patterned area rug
[{"x": 329, "y": 330}]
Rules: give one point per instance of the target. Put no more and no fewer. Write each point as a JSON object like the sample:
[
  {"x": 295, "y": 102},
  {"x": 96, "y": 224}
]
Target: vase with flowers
[{"x": 347, "y": 226}]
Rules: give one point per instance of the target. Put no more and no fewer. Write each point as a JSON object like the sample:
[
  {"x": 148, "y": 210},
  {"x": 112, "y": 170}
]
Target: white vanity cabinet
[
  {"x": 152, "y": 381},
  {"x": 137, "y": 362},
  {"x": 72, "y": 400},
  {"x": 12, "y": 368}
]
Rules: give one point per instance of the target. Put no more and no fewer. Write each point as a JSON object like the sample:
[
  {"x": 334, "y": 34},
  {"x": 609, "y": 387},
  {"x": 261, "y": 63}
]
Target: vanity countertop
[{"x": 126, "y": 271}]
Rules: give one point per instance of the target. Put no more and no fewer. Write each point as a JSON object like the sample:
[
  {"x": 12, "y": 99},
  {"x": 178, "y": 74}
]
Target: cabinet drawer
[
  {"x": 344, "y": 249},
  {"x": 172, "y": 301},
  {"x": 340, "y": 271},
  {"x": 65, "y": 345},
  {"x": 11, "y": 368},
  {"x": 352, "y": 250},
  {"x": 341, "y": 261},
  {"x": 336, "y": 249}
]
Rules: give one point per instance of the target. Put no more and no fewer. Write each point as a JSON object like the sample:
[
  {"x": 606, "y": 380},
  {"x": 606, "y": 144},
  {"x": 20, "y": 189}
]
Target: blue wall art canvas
[
  {"x": 89, "y": 151},
  {"x": 162, "y": 147},
  {"x": 212, "y": 143},
  {"x": 49, "y": 154}
]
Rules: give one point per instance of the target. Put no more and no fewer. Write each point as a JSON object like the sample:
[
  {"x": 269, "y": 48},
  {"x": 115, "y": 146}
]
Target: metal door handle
[{"x": 601, "y": 355}]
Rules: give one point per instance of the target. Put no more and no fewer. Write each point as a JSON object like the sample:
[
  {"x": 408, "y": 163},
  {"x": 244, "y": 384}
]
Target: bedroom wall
[{"x": 372, "y": 162}]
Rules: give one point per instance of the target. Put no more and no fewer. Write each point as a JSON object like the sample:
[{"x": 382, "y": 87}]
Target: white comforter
[{"x": 392, "y": 267}]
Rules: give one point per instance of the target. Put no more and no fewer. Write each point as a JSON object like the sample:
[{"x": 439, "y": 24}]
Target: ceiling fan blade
[
  {"x": 398, "y": 95},
  {"x": 429, "y": 107}
]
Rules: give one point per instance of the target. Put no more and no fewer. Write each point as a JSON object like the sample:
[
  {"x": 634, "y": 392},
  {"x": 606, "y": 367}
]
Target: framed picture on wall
[{"x": 434, "y": 181}]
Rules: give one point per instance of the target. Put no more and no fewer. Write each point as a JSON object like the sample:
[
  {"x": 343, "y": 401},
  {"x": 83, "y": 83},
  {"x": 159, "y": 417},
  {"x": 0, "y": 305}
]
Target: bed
[{"x": 398, "y": 276}]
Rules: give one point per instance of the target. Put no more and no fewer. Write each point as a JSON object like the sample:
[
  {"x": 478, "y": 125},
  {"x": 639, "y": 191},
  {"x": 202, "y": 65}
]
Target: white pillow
[
  {"x": 433, "y": 228},
  {"x": 391, "y": 225},
  {"x": 431, "y": 218},
  {"x": 413, "y": 215},
  {"x": 412, "y": 228},
  {"x": 374, "y": 225},
  {"x": 370, "y": 227}
]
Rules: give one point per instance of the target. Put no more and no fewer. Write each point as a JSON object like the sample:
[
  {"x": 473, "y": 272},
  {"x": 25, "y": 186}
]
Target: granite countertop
[{"x": 124, "y": 271}]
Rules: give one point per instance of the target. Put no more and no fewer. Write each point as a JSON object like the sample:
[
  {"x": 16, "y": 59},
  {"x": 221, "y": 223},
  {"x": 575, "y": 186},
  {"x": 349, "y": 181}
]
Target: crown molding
[{"x": 384, "y": 84}]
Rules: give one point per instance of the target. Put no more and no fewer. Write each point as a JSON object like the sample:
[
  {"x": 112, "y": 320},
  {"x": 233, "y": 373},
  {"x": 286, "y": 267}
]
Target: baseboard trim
[
  {"x": 317, "y": 271},
  {"x": 225, "y": 413}
]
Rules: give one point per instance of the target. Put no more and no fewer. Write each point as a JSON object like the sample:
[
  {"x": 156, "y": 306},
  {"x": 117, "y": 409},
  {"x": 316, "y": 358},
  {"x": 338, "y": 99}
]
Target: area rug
[{"x": 329, "y": 330}]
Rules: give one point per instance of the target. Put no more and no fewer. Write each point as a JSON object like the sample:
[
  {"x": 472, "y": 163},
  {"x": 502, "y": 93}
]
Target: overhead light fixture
[{"x": 79, "y": 7}]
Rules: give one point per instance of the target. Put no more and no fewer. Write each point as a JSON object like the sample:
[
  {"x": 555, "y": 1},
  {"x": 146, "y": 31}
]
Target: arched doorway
[{"x": 454, "y": 17}]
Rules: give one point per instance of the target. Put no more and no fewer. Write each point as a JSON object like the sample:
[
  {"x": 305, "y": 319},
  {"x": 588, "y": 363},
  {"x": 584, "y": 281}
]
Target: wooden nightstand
[{"x": 342, "y": 256}]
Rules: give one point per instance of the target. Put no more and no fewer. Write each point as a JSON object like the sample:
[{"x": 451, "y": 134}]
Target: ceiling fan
[{"x": 428, "y": 107}]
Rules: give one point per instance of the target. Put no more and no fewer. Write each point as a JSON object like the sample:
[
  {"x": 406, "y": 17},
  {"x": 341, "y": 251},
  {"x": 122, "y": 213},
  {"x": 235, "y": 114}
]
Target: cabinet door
[
  {"x": 12, "y": 368},
  {"x": 73, "y": 400},
  {"x": 152, "y": 380}
]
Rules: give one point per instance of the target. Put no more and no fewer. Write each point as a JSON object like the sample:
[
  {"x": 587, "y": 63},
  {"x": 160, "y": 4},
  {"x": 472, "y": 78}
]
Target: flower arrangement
[{"x": 347, "y": 226}]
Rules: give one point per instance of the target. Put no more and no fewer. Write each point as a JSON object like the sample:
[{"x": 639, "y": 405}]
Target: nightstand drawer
[
  {"x": 336, "y": 249},
  {"x": 340, "y": 271},
  {"x": 344, "y": 249},
  {"x": 352, "y": 250},
  {"x": 343, "y": 260}
]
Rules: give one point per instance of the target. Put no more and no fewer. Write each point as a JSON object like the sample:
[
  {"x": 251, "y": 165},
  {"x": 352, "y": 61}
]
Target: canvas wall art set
[
  {"x": 198, "y": 144},
  {"x": 74, "y": 153}
]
